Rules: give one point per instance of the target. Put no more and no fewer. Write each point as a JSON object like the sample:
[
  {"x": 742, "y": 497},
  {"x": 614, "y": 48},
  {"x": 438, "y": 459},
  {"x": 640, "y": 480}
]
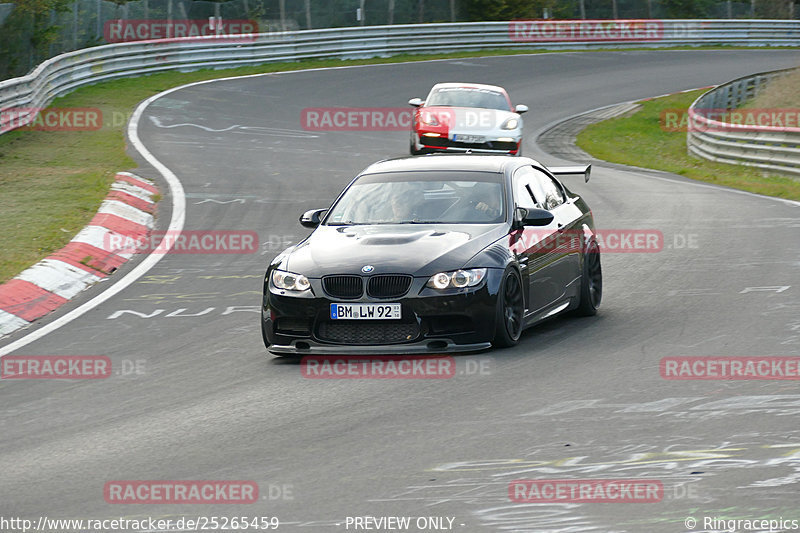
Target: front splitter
[{"x": 428, "y": 347}]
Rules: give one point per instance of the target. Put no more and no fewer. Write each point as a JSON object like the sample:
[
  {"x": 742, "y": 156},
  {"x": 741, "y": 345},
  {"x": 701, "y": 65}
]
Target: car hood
[
  {"x": 470, "y": 119},
  {"x": 416, "y": 249}
]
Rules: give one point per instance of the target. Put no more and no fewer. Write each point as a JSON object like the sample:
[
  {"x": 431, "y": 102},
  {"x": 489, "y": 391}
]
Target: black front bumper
[
  {"x": 418, "y": 348},
  {"x": 490, "y": 146},
  {"x": 460, "y": 320}
]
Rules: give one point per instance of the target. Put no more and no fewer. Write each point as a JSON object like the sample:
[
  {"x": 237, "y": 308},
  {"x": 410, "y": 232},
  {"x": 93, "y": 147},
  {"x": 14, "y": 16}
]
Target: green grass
[
  {"x": 51, "y": 183},
  {"x": 640, "y": 140},
  {"x": 780, "y": 93}
]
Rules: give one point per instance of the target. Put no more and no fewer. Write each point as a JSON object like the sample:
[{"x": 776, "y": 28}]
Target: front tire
[
  {"x": 510, "y": 311},
  {"x": 591, "y": 282},
  {"x": 412, "y": 148}
]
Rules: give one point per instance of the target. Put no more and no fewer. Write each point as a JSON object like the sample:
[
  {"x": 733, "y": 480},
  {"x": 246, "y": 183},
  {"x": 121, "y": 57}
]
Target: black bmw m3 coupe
[{"x": 434, "y": 254}]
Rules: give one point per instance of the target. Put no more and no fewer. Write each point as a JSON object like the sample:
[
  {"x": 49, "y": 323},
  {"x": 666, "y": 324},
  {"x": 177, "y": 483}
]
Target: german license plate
[
  {"x": 468, "y": 138},
  {"x": 365, "y": 311}
]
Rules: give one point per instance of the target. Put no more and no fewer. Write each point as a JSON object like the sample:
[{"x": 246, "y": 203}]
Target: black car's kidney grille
[
  {"x": 363, "y": 332},
  {"x": 388, "y": 285},
  {"x": 347, "y": 287}
]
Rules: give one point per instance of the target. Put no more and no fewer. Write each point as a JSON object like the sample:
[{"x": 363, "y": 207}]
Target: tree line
[{"x": 33, "y": 30}]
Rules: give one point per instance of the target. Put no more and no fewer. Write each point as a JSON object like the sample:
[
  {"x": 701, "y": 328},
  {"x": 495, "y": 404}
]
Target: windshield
[
  {"x": 468, "y": 97},
  {"x": 421, "y": 198}
]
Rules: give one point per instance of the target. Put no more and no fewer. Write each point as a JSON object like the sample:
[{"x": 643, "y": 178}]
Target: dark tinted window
[{"x": 421, "y": 197}]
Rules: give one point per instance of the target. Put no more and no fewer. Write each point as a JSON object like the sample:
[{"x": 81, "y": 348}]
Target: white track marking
[
  {"x": 126, "y": 211},
  {"x": 262, "y": 130},
  {"x": 104, "y": 239},
  {"x": 58, "y": 277},
  {"x": 10, "y": 323},
  {"x": 133, "y": 190},
  {"x": 157, "y": 122}
]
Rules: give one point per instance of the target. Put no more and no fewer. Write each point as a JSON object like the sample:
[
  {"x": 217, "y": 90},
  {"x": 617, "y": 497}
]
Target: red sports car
[{"x": 457, "y": 117}]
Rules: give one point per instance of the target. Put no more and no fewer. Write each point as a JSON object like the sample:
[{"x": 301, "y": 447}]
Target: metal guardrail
[
  {"x": 66, "y": 72},
  {"x": 770, "y": 148}
]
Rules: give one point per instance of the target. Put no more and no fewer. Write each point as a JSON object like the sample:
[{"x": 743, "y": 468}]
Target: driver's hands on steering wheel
[{"x": 486, "y": 208}]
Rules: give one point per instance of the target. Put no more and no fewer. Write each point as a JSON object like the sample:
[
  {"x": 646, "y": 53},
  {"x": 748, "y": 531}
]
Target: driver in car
[
  {"x": 487, "y": 204},
  {"x": 403, "y": 206}
]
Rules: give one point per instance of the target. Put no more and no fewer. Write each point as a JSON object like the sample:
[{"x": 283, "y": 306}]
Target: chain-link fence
[{"x": 34, "y": 30}]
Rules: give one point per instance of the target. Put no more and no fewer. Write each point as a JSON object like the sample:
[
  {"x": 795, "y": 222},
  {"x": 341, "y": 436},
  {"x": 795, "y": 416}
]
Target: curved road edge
[
  {"x": 178, "y": 216},
  {"x": 175, "y": 228},
  {"x": 177, "y": 219},
  {"x": 557, "y": 139},
  {"x": 88, "y": 258}
]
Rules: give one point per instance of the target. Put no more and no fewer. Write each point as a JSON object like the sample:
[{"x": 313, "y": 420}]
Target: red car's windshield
[{"x": 468, "y": 97}]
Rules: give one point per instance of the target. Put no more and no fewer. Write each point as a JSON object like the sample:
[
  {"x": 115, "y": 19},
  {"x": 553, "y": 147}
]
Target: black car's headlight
[
  {"x": 290, "y": 281},
  {"x": 510, "y": 124},
  {"x": 457, "y": 279}
]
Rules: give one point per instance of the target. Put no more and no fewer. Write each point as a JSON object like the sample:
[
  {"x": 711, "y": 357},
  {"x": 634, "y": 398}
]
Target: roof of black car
[{"x": 439, "y": 162}]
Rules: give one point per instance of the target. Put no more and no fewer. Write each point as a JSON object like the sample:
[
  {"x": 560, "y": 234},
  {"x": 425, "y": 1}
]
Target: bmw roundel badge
[{"x": 366, "y": 269}]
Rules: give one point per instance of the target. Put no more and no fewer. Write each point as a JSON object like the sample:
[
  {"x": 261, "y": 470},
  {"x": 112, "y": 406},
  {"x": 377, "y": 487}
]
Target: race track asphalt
[{"x": 578, "y": 398}]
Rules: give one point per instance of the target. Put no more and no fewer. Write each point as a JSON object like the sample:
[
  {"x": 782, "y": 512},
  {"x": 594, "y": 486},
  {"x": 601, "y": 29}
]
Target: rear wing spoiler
[{"x": 586, "y": 170}]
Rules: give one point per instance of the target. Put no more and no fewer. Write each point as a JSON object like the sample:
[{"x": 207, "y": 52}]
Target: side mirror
[
  {"x": 311, "y": 219},
  {"x": 532, "y": 216},
  {"x": 416, "y": 102},
  {"x": 521, "y": 108}
]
